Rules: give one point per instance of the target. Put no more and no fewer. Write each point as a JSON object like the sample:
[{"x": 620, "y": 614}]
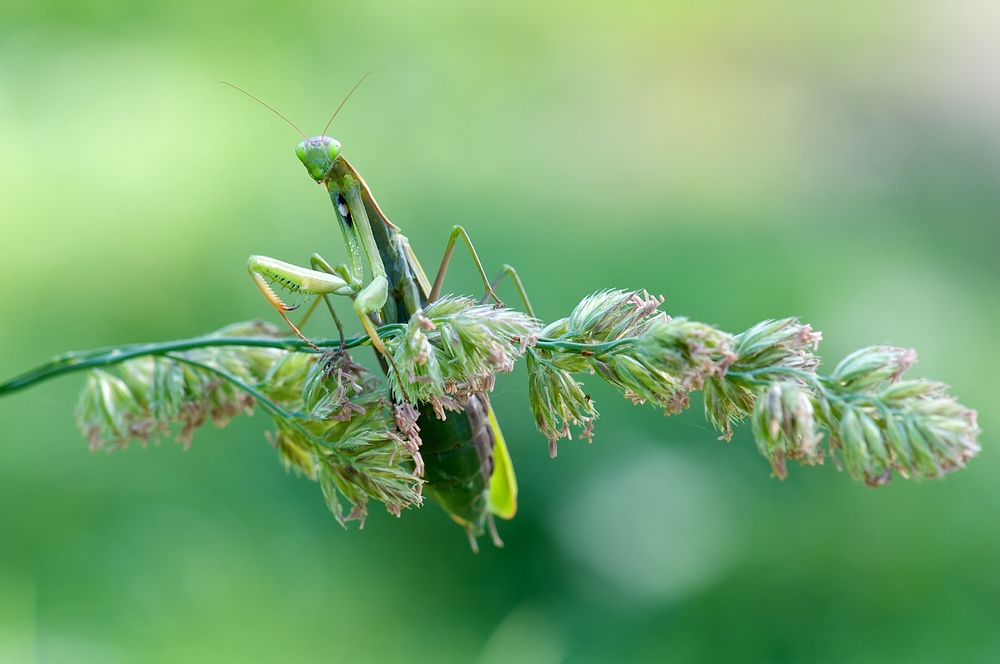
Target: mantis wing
[{"x": 502, "y": 498}]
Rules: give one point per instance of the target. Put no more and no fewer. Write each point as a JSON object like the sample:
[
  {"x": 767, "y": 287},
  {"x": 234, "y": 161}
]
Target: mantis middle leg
[
  {"x": 508, "y": 271},
  {"x": 319, "y": 263},
  {"x": 457, "y": 232}
]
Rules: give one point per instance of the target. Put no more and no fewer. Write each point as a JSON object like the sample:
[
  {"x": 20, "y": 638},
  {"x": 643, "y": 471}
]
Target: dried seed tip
[
  {"x": 878, "y": 480},
  {"x": 358, "y": 513}
]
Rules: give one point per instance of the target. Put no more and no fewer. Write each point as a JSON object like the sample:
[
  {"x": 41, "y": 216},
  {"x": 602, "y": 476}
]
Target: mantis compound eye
[
  {"x": 300, "y": 151},
  {"x": 333, "y": 149}
]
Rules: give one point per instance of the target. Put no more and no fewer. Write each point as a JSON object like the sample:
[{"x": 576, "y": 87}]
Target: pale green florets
[
  {"x": 454, "y": 348},
  {"x": 359, "y": 438}
]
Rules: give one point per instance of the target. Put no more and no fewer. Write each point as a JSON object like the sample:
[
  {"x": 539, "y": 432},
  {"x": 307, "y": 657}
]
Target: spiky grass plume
[
  {"x": 152, "y": 395},
  {"x": 335, "y": 424},
  {"x": 765, "y": 352},
  {"x": 784, "y": 425},
  {"x": 360, "y": 439},
  {"x": 558, "y": 401},
  {"x": 877, "y": 421},
  {"x": 623, "y": 338},
  {"x": 455, "y": 348},
  {"x": 882, "y": 423},
  {"x": 873, "y": 419}
]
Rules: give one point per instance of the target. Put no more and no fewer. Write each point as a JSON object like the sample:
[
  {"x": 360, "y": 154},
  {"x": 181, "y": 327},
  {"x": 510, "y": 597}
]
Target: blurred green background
[{"x": 836, "y": 161}]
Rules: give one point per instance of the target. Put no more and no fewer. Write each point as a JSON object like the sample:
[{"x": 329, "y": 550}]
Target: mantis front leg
[
  {"x": 297, "y": 280},
  {"x": 357, "y": 229},
  {"x": 313, "y": 282}
]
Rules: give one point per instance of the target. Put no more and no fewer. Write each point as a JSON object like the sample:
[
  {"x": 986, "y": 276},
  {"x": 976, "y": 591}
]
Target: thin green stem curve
[{"x": 102, "y": 357}]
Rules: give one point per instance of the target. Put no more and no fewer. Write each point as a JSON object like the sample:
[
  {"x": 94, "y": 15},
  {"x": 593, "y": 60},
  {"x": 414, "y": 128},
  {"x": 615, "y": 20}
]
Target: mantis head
[{"x": 318, "y": 154}]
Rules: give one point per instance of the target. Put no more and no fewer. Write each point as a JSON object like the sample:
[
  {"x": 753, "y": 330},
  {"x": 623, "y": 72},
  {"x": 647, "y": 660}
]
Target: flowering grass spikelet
[
  {"x": 334, "y": 423},
  {"x": 338, "y": 425},
  {"x": 882, "y": 423},
  {"x": 766, "y": 351},
  {"x": 784, "y": 426},
  {"x": 868, "y": 368},
  {"x": 557, "y": 402},
  {"x": 454, "y": 348},
  {"x": 635, "y": 347}
]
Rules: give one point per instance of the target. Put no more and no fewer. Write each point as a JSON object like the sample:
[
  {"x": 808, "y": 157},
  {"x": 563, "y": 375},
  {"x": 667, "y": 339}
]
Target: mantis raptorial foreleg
[
  {"x": 314, "y": 282},
  {"x": 297, "y": 280},
  {"x": 319, "y": 263},
  {"x": 457, "y": 232},
  {"x": 368, "y": 301},
  {"x": 508, "y": 271}
]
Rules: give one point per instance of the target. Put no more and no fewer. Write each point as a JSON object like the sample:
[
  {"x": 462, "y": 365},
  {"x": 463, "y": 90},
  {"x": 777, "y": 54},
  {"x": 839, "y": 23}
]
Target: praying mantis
[
  {"x": 467, "y": 466},
  {"x": 440, "y": 355}
]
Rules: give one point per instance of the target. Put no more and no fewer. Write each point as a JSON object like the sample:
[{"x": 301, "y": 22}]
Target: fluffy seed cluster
[
  {"x": 624, "y": 338},
  {"x": 360, "y": 439},
  {"x": 882, "y": 423},
  {"x": 872, "y": 418},
  {"x": 335, "y": 424},
  {"x": 764, "y": 353},
  {"x": 784, "y": 425},
  {"x": 877, "y": 421},
  {"x": 455, "y": 348},
  {"x": 150, "y": 394},
  {"x": 558, "y": 401}
]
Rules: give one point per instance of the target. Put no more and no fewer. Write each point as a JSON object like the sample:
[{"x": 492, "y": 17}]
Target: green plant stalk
[{"x": 108, "y": 356}]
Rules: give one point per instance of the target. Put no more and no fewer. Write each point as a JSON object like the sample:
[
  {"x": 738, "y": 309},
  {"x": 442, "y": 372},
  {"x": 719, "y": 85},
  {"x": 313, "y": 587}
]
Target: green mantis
[{"x": 467, "y": 466}]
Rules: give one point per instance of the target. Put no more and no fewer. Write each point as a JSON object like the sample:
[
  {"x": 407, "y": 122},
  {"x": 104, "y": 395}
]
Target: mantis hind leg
[
  {"x": 494, "y": 535},
  {"x": 508, "y": 271},
  {"x": 459, "y": 232},
  {"x": 470, "y": 532}
]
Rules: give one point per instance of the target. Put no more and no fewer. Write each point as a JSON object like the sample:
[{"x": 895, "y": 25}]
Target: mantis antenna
[
  {"x": 343, "y": 102},
  {"x": 271, "y": 108}
]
